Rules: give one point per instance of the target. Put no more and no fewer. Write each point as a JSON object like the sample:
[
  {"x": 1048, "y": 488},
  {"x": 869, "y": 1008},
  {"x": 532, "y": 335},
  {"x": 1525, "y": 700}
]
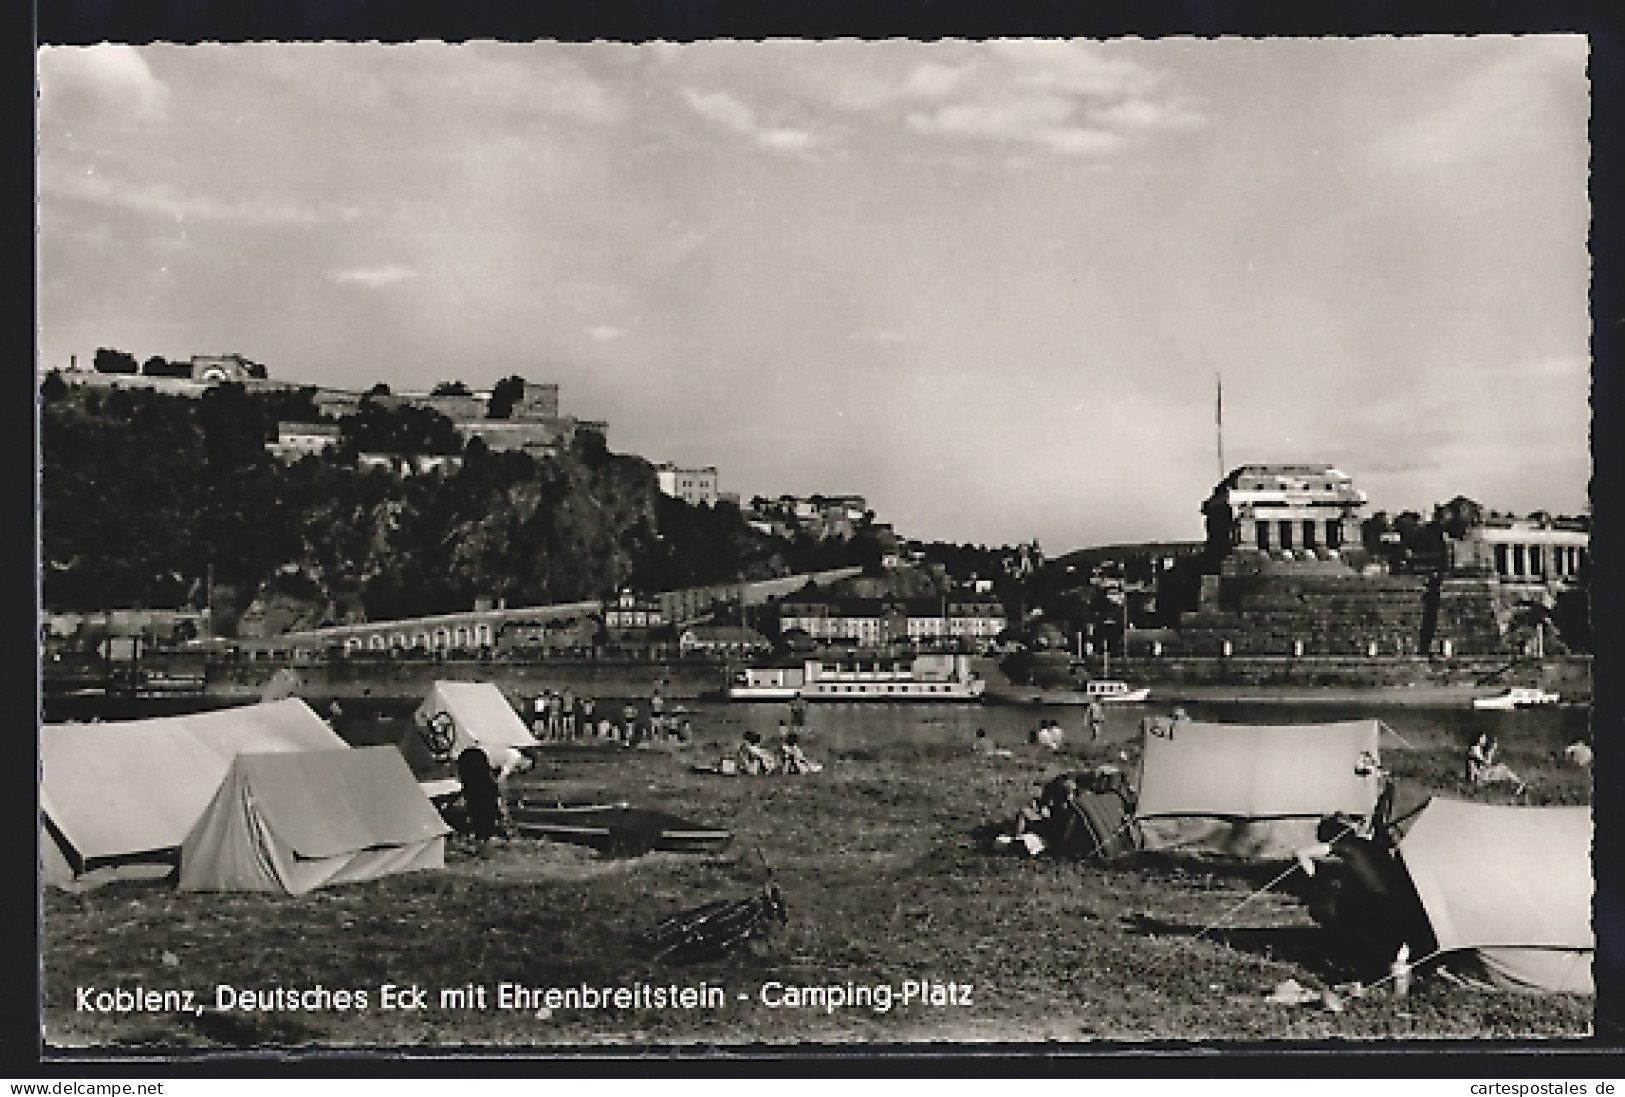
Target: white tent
[
  {"x": 1507, "y": 891},
  {"x": 453, "y": 717},
  {"x": 293, "y": 822},
  {"x": 119, "y": 798},
  {"x": 1252, "y": 790}
]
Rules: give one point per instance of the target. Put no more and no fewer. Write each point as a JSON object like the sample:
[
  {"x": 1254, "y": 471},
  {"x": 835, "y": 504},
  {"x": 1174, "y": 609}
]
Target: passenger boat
[
  {"x": 1517, "y": 697},
  {"x": 928, "y": 677},
  {"x": 1104, "y": 691}
]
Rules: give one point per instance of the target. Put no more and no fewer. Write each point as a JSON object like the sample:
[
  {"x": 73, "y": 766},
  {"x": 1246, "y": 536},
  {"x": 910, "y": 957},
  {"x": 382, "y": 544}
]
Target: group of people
[
  {"x": 755, "y": 758},
  {"x": 560, "y": 716},
  {"x": 1049, "y": 733},
  {"x": 1057, "y": 819}
]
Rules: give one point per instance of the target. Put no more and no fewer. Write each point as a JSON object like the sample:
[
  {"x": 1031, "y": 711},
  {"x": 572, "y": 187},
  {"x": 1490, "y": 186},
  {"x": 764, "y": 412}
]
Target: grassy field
[{"x": 886, "y": 881}]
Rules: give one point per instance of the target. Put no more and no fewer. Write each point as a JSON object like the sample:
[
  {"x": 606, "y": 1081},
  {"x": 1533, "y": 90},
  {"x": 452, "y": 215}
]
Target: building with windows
[
  {"x": 628, "y": 610},
  {"x": 296, "y": 440},
  {"x": 722, "y": 640},
  {"x": 692, "y": 485},
  {"x": 961, "y": 618},
  {"x": 1285, "y": 511},
  {"x": 1549, "y": 552}
]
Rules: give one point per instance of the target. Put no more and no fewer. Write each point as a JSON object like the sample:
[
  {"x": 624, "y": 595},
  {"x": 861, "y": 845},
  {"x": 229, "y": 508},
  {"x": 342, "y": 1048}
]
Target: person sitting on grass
[
  {"x": 1482, "y": 768},
  {"x": 1047, "y": 820},
  {"x": 1050, "y": 735},
  {"x": 1579, "y": 753},
  {"x": 754, "y": 759},
  {"x": 794, "y": 758}
]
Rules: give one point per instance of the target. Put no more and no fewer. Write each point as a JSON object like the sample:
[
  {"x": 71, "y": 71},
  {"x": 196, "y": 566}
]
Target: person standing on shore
[
  {"x": 798, "y": 711},
  {"x": 657, "y": 714},
  {"x": 538, "y": 710},
  {"x": 567, "y": 722},
  {"x": 1094, "y": 718}
]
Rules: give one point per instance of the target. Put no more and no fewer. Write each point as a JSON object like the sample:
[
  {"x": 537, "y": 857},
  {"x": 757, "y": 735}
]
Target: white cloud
[
  {"x": 604, "y": 333},
  {"x": 373, "y": 277},
  {"x": 723, "y": 109},
  {"x": 104, "y": 80},
  {"x": 1038, "y": 119},
  {"x": 1067, "y": 97},
  {"x": 174, "y": 204}
]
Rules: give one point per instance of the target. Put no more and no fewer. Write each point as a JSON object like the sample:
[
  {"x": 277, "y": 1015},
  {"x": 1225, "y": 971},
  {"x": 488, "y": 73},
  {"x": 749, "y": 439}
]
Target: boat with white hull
[
  {"x": 930, "y": 677},
  {"x": 1517, "y": 697},
  {"x": 1104, "y": 691}
]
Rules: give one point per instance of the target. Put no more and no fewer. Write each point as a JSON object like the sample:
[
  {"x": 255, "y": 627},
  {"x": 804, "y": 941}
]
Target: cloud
[
  {"x": 723, "y": 109},
  {"x": 1070, "y": 98},
  {"x": 373, "y": 277},
  {"x": 102, "y": 81},
  {"x": 174, "y": 204},
  {"x": 1042, "y": 120},
  {"x": 604, "y": 333}
]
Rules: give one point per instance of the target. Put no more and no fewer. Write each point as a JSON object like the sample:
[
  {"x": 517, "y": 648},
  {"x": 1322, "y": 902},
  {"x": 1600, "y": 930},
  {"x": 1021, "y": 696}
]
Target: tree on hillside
[
  {"x": 408, "y": 429},
  {"x": 158, "y": 366},
  {"x": 108, "y": 360},
  {"x": 1458, "y": 516},
  {"x": 380, "y": 389},
  {"x": 450, "y": 388},
  {"x": 504, "y": 395}
]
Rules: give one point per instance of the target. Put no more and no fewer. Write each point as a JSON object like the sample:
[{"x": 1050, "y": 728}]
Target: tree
[
  {"x": 380, "y": 389},
  {"x": 115, "y": 361},
  {"x": 504, "y": 395},
  {"x": 158, "y": 366},
  {"x": 450, "y": 388},
  {"x": 1456, "y": 517}
]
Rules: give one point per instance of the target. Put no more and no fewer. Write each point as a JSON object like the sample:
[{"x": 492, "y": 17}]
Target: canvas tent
[
  {"x": 119, "y": 798},
  {"x": 1507, "y": 891},
  {"x": 297, "y": 821},
  {"x": 453, "y": 717},
  {"x": 1252, "y": 790}
]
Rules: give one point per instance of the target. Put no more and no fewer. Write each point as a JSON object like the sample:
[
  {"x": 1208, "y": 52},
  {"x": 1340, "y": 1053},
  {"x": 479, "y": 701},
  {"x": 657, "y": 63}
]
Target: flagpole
[{"x": 1218, "y": 418}]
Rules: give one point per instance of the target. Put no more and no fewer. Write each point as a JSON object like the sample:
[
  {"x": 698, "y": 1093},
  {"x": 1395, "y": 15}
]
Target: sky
[{"x": 991, "y": 286}]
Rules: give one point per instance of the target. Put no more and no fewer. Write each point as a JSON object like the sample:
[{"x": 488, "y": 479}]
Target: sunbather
[
  {"x": 794, "y": 759},
  {"x": 753, "y": 757}
]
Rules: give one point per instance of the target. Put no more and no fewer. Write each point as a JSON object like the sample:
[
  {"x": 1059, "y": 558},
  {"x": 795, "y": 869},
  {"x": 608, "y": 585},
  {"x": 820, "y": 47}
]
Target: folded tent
[
  {"x": 452, "y": 718},
  {"x": 119, "y": 798},
  {"x": 1507, "y": 891},
  {"x": 1251, "y": 790},
  {"x": 293, "y": 822}
]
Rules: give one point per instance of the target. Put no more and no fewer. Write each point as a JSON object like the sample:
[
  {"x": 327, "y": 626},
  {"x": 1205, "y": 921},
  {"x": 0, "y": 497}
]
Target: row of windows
[{"x": 890, "y": 689}]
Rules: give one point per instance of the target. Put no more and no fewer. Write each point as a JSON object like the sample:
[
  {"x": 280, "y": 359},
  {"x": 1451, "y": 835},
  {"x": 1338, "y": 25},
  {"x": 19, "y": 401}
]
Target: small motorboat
[
  {"x": 1111, "y": 691},
  {"x": 1517, "y": 697}
]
